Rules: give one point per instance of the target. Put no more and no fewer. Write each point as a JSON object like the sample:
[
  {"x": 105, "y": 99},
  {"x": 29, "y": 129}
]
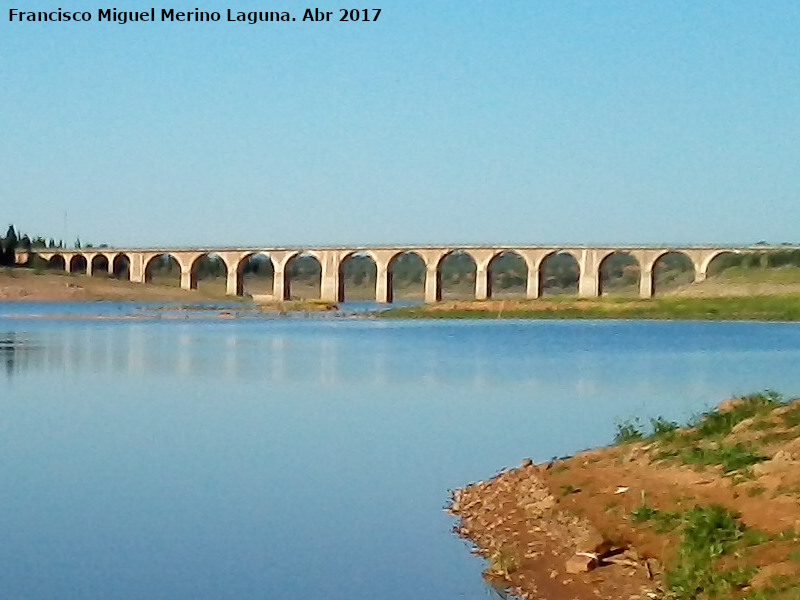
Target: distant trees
[
  {"x": 13, "y": 242},
  {"x": 8, "y": 247}
]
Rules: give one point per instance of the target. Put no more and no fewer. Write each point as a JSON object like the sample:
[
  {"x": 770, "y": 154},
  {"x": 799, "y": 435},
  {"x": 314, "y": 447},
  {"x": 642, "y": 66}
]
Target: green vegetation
[
  {"x": 729, "y": 457},
  {"x": 713, "y": 540},
  {"x": 719, "y": 423},
  {"x": 707, "y": 533},
  {"x": 663, "y": 521},
  {"x": 765, "y": 259},
  {"x": 783, "y": 307},
  {"x": 702, "y": 441},
  {"x": 502, "y": 563},
  {"x": 8, "y": 247},
  {"x": 628, "y": 431}
]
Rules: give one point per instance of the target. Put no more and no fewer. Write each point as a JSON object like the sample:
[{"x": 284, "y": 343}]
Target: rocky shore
[{"x": 710, "y": 510}]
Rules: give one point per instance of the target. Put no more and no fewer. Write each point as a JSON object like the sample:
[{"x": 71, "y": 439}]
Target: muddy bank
[{"x": 710, "y": 510}]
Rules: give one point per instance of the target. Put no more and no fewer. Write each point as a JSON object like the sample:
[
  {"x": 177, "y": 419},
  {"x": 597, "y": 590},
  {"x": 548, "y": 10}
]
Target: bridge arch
[
  {"x": 256, "y": 275},
  {"x": 210, "y": 271},
  {"x": 619, "y": 273},
  {"x": 719, "y": 260},
  {"x": 121, "y": 266},
  {"x": 456, "y": 272},
  {"x": 507, "y": 274},
  {"x": 358, "y": 276},
  {"x": 671, "y": 269},
  {"x": 78, "y": 264},
  {"x": 57, "y": 262},
  {"x": 163, "y": 268},
  {"x": 99, "y": 265},
  {"x": 559, "y": 273},
  {"x": 405, "y": 274},
  {"x": 303, "y": 276}
]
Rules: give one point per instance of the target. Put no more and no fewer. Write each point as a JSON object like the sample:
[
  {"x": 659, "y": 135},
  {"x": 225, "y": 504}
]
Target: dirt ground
[
  {"x": 621, "y": 517},
  {"x": 23, "y": 285},
  {"x": 26, "y": 285}
]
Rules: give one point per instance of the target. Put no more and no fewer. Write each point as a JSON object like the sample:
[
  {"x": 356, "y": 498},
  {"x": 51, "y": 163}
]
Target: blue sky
[{"x": 469, "y": 121}]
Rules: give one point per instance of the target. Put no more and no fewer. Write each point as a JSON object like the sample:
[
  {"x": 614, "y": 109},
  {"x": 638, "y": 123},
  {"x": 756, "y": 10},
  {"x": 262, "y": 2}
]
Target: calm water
[{"x": 311, "y": 458}]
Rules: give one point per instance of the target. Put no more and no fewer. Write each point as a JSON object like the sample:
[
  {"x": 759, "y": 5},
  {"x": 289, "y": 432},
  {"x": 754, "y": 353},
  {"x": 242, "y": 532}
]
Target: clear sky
[{"x": 445, "y": 121}]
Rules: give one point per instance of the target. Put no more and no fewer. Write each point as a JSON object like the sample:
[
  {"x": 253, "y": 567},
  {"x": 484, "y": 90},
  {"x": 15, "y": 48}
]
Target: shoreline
[
  {"x": 707, "y": 510},
  {"x": 714, "y": 303},
  {"x": 772, "y": 308}
]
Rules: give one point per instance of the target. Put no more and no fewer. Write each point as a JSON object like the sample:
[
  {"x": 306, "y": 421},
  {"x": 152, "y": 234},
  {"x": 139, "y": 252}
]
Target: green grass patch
[
  {"x": 707, "y": 534},
  {"x": 628, "y": 431},
  {"x": 662, "y": 428},
  {"x": 779, "y": 275},
  {"x": 777, "y": 436},
  {"x": 785, "y": 307},
  {"x": 730, "y": 457},
  {"x": 717, "y": 423},
  {"x": 502, "y": 562},
  {"x": 662, "y": 521},
  {"x": 702, "y": 441}
]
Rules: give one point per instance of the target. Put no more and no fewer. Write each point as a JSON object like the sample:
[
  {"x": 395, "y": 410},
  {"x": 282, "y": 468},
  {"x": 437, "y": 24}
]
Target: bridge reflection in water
[{"x": 331, "y": 354}]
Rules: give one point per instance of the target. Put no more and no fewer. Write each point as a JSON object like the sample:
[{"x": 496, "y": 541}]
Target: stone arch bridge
[{"x": 332, "y": 261}]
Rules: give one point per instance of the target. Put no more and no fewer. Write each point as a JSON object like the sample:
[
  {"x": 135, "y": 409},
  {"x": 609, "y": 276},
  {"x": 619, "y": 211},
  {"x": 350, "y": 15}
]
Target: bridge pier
[
  {"x": 329, "y": 283},
  {"x": 589, "y": 277},
  {"x": 383, "y": 284},
  {"x": 188, "y": 282},
  {"x": 136, "y": 267},
  {"x": 645, "y": 283},
  {"x": 433, "y": 283},
  {"x": 234, "y": 285},
  {"x": 533, "y": 287},
  {"x": 482, "y": 284},
  {"x": 383, "y": 276},
  {"x": 483, "y": 280},
  {"x": 280, "y": 284}
]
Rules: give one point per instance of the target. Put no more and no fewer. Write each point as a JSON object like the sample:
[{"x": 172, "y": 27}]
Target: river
[{"x": 189, "y": 458}]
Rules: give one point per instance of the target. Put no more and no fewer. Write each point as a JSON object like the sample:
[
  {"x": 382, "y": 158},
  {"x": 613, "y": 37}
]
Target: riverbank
[
  {"x": 710, "y": 510},
  {"x": 783, "y": 307},
  {"x": 26, "y": 285},
  {"x": 773, "y": 299}
]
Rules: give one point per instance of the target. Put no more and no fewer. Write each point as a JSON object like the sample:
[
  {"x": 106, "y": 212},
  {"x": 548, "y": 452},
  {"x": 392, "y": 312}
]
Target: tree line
[{"x": 14, "y": 242}]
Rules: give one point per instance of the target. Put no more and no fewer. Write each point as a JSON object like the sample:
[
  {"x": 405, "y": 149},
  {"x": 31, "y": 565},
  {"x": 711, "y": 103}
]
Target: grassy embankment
[
  {"x": 757, "y": 308},
  {"x": 713, "y": 553},
  {"x": 737, "y": 293},
  {"x": 710, "y": 510}
]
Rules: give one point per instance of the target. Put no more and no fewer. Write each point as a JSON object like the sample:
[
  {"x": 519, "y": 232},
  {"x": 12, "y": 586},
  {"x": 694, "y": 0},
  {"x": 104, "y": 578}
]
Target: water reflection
[
  {"x": 234, "y": 459},
  {"x": 380, "y": 354},
  {"x": 15, "y": 352}
]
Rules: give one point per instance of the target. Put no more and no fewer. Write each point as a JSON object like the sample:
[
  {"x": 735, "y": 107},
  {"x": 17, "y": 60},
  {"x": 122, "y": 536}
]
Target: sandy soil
[
  {"x": 25, "y": 285},
  {"x": 531, "y": 521},
  {"x": 22, "y": 285}
]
